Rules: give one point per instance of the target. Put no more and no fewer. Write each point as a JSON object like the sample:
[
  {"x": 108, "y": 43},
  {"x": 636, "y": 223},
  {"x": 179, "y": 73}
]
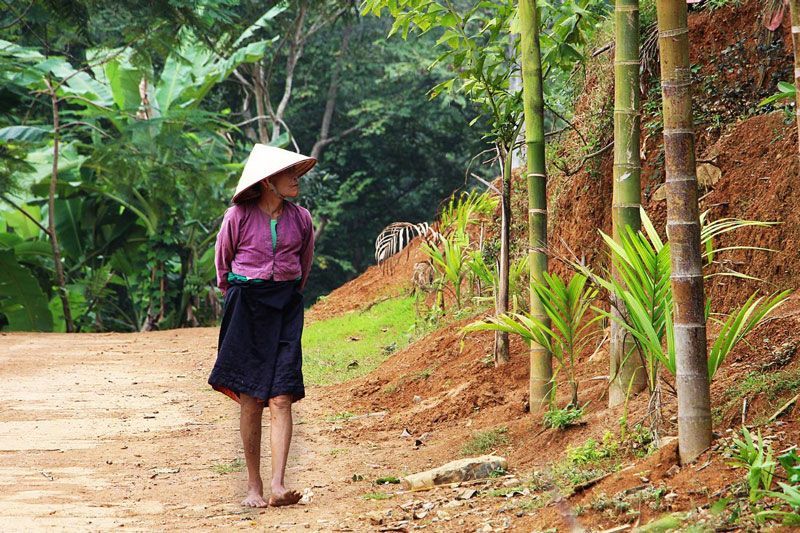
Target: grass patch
[
  {"x": 771, "y": 385},
  {"x": 237, "y": 465},
  {"x": 592, "y": 451},
  {"x": 502, "y": 492},
  {"x": 561, "y": 418},
  {"x": 485, "y": 441},
  {"x": 377, "y": 496},
  {"x": 344, "y": 416},
  {"x": 583, "y": 463},
  {"x": 367, "y": 338}
]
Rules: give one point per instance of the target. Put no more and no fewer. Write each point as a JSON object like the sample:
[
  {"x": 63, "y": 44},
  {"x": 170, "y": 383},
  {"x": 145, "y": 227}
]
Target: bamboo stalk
[
  {"x": 541, "y": 369},
  {"x": 501, "y": 346},
  {"x": 683, "y": 231},
  {"x": 627, "y": 374}
]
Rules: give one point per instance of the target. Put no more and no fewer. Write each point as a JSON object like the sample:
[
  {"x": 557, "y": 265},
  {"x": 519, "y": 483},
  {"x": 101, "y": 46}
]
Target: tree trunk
[
  {"x": 794, "y": 7},
  {"x": 501, "y": 348},
  {"x": 51, "y": 216},
  {"x": 627, "y": 372},
  {"x": 541, "y": 372},
  {"x": 260, "y": 96},
  {"x": 683, "y": 231}
]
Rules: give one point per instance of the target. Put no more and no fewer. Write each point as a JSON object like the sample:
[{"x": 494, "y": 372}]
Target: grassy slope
[{"x": 366, "y": 338}]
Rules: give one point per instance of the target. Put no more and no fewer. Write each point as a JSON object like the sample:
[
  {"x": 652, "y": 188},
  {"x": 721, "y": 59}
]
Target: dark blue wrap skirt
[{"x": 259, "y": 341}]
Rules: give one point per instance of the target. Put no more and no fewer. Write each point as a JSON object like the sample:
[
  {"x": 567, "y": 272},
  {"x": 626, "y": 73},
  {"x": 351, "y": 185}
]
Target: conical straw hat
[{"x": 266, "y": 161}]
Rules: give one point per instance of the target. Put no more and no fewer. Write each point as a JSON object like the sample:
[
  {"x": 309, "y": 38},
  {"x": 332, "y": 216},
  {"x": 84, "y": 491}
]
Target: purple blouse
[{"x": 244, "y": 244}]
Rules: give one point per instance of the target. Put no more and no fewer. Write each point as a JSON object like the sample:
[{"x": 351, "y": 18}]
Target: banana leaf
[{"x": 21, "y": 299}]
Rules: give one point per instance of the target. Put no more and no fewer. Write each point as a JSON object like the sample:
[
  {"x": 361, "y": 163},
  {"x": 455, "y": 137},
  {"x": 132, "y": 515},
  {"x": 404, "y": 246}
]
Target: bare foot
[
  {"x": 255, "y": 496},
  {"x": 280, "y": 498}
]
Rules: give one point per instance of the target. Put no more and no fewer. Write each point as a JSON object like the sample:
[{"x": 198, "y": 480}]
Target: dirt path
[{"x": 120, "y": 430}]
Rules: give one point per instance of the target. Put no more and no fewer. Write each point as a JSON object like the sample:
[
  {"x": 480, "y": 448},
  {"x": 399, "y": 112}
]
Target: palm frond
[{"x": 396, "y": 236}]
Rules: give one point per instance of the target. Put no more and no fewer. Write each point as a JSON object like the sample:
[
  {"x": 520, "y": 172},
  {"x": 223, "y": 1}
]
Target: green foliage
[
  {"x": 236, "y": 465},
  {"x": 387, "y": 480},
  {"x": 768, "y": 385},
  {"x": 713, "y": 5},
  {"x": 21, "y": 299},
  {"x": 582, "y": 463},
  {"x": 474, "y": 40},
  {"x": 159, "y": 176},
  {"x": 786, "y": 91},
  {"x": 466, "y": 209},
  {"x": 330, "y": 346},
  {"x": 592, "y": 451},
  {"x": 757, "y": 457},
  {"x": 449, "y": 262},
  {"x": 789, "y": 493},
  {"x": 486, "y": 441},
  {"x": 572, "y": 326},
  {"x": 561, "y": 418},
  {"x": 643, "y": 263},
  {"x": 377, "y": 496},
  {"x": 739, "y": 323}
]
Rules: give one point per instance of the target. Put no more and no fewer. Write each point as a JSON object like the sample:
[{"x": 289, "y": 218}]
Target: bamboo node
[
  {"x": 689, "y": 325},
  {"x": 683, "y": 223},
  {"x": 536, "y": 175},
  {"x": 680, "y": 179},
  {"x": 678, "y": 131},
  {"x": 537, "y": 211},
  {"x": 673, "y": 33},
  {"x": 677, "y": 84},
  {"x": 631, "y": 8},
  {"x": 626, "y": 62}
]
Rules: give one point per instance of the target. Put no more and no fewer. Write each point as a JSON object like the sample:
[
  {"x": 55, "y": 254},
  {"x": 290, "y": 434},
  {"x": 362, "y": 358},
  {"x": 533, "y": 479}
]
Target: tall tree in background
[
  {"x": 683, "y": 230},
  {"x": 627, "y": 371},
  {"x": 541, "y": 370}
]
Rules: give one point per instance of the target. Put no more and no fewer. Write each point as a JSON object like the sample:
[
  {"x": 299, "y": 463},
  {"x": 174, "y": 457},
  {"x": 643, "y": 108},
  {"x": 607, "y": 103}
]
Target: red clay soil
[
  {"x": 443, "y": 389},
  {"x": 739, "y": 64}
]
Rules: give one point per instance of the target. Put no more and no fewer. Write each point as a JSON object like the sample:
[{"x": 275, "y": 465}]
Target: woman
[{"x": 263, "y": 256}]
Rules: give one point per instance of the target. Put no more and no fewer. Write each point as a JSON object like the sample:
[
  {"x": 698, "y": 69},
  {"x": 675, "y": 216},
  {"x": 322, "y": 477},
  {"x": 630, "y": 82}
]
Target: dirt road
[{"x": 106, "y": 431}]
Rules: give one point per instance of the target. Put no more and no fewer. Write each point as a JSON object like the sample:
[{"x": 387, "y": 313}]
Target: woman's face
[{"x": 287, "y": 184}]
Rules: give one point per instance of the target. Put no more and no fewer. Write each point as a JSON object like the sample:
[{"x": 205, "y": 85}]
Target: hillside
[{"x": 446, "y": 389}]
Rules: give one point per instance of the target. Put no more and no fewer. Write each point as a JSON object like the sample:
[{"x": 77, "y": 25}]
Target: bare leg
[
  {"x": 280, "y": 410},
  {"x": 250, "y": 427}
]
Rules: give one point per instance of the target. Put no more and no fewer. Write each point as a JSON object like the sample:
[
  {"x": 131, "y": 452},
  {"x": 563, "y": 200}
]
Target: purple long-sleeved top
[{"x": 244, "y": 244}]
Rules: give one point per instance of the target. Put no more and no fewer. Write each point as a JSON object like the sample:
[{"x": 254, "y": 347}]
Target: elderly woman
[{"x": 263, "y": 256}]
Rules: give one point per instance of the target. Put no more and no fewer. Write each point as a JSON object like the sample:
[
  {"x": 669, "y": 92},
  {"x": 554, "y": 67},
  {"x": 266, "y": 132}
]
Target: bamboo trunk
[
  {"x": 794, "y": 7},
  {"x": 501, "y": 348},
  {"x": 541, "y": 373},
  {"x": 627, "y": 371},
  {"x": 683, "y": 231}
]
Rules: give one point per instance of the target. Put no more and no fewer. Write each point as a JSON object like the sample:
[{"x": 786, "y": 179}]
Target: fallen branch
[{"x": 783, "y": 408}]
